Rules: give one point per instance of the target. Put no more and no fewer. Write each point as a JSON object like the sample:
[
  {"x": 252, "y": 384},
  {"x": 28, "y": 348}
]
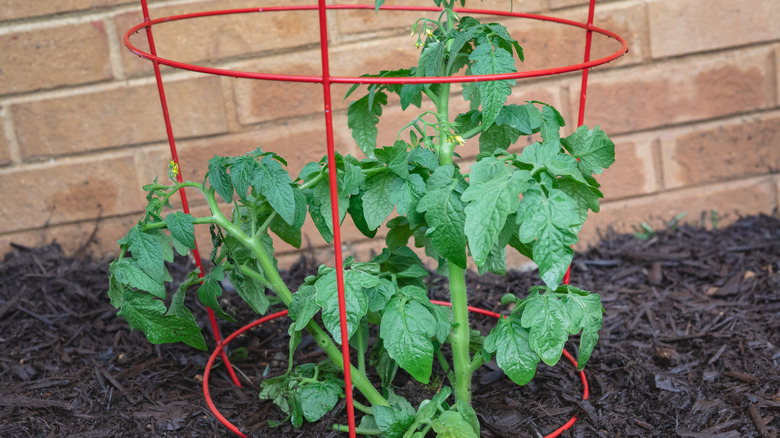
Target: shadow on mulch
[{"x": 690, "y": 347}]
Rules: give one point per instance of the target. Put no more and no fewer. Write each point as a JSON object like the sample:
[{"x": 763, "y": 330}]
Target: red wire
[
  {"x": 365, "y": 80},
  {"x": 334, "y": 203},
  {"x": 179, "y": 178}
]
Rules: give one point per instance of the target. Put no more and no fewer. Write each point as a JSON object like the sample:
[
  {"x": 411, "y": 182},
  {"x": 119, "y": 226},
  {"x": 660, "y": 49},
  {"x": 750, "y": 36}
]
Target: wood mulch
[{"x": 690, "y": 347}]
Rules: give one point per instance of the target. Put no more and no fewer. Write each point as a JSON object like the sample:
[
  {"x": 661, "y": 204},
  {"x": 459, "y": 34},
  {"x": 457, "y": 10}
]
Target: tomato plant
[{"x": 534, "y": 202}]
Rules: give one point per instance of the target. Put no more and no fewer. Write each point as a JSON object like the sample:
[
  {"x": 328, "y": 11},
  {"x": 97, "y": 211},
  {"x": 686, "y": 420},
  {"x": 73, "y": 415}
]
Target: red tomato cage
[{"x": 326, "y": 80}]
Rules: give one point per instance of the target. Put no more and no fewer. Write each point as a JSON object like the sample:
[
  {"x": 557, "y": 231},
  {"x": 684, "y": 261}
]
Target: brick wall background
[{"x": 693, "y": 107}]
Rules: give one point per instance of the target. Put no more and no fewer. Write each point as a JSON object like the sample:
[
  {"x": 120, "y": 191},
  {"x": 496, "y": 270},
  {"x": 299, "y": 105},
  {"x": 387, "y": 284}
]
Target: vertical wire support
[
  {"x": 179, "y": 179},
  {"x": 334, "y": 203},
  {"x": 584, "y": 88}
]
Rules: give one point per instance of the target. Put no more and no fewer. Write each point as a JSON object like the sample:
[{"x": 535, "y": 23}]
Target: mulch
[{"x": 690, "y": 347}]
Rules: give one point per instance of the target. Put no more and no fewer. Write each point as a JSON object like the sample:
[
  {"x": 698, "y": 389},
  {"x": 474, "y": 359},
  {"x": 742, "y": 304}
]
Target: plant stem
[
  {"x": 362, "y": 408},
  {"x": 359, "y": 430},
  {"x": 461, "y": 359}
]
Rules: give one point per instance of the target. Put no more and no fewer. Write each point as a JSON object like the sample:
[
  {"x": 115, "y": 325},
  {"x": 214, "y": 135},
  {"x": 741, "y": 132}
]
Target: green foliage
[{"x": 534, "y": 201}]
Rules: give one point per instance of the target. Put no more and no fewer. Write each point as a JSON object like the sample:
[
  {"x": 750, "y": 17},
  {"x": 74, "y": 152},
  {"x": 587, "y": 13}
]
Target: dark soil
[{"x": 690, "y": 347}]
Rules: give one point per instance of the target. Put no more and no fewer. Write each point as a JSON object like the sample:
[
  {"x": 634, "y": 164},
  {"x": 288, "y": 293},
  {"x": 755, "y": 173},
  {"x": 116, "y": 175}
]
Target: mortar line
[
  {"x": 10, "y": 136},
  {"x": 114, "y": 48},
  {"x": 658, "y": 164}
]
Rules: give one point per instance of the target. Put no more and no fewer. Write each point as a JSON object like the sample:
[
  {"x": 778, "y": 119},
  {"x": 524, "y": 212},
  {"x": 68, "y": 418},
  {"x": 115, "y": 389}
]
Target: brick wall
[{"x": 693, "y": 107}]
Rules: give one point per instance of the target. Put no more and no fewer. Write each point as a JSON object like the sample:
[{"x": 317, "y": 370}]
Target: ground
[{"x": 689, "y": 347}]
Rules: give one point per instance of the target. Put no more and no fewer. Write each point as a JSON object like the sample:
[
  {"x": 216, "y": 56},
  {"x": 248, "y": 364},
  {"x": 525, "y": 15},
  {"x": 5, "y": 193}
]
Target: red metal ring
[
  {"x": 253, "y": 324},
  {"x": 362, "y": 80}
]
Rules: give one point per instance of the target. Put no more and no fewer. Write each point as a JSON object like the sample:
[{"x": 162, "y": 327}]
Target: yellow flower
[
  {"x": 460, "y": 140},
  {"x": 428, "y": 31},
  {"x": 173, "y": 169}
]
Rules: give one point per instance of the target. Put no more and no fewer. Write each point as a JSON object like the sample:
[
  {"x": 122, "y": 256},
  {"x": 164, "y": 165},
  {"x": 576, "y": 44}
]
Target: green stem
[
  {"x": 477, "y": 362},
  {"x": 251, "y": 273},
  {"x": 362, "y": 408},
  {"x": 461, "y": 359},
  {"x": 360, "y": 430},
  {"x": 471, "y": 132},
  {"x": 445, "y": 366}
]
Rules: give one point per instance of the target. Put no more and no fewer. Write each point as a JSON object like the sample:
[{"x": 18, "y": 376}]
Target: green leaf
[
  {"x": 431, "y": 60},
  {"x": 497, "y": 137},
  {"x": 219, "y": 179},
  {"x": 551, "y": 125},
  {"x": 463, "y": 35},
  {"x": 296, "y": 408},
  {"x": 146, "y": 313},
  {"x": 250, "y": 290},
  {"x": 509, "y": 339},
  {"x": 444, "y": 213},
  {"x": 524, "y": 118},
  {"x": 128, "y": 272},
  {"x": 320, "y": 209},
  {"x": 594, "y": 149},
  {"x": 210, "y": 290},
  {"x": 295, "y": 340},
  {"x": 547, "y": 220},
  {"x": 549, "y": 156},
  {"x": 406, "y": 194},
  {"x": 493, "y": 194},
  {"x": 273, "y": 182},
  {"x": 406, "y": 329},
  {"x": 362, "y": 120},
  {"x": 356, "y": 300},
  {"x": 377, "y": 204},
  {"x": 585, "y": 313},
  {"x": 378, "y": 4},
  {"x": 392, "y": 421},
  {"x": 242, "y": 171},
  {"x": 424, "y": 158},
  {"x": 181, "y": 227},
  {"x": 585, "y": 196},
  {"x": 319, "y": 398},
  {"x": 303, "y": 306},
  {"x": 467, "y": 412},
  {"x": 358, "y": 216},
  {"x": 411, "y": 94},
  {"x": 451, "y": 425},
  {"x": 489, "y": 60},
  {"x": 548, "y": 321},
  {"x": 148, "y": 252}
]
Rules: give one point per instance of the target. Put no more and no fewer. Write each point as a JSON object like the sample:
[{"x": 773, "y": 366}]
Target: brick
[
  {"x": 633, "y": 172},
  {"x": 359, "y": 21},
  {"x": 548, "y": 45},
  {"x": 679, "y": 27},
  {"x": 25, "y": 8},
  {"x": 260, "y": 101},
  {"x": 718, "y": 152},
  {"x": 118, "y": 117},
  {"x": 756, "y": 195},
  {"x": 680, "y": 91},
  {"x": 52, "y": 57},
  {"x": 76, "y": 237},
  {"x": 214, "y": 38},
  {"x": 68, "y": 192}
]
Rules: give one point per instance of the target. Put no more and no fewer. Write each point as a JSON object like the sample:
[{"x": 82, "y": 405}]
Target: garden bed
[{"x": 690, "y": 347}]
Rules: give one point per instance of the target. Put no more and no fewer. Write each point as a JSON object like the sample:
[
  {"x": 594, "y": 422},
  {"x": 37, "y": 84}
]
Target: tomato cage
[{"x": 327, "y": 80}]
